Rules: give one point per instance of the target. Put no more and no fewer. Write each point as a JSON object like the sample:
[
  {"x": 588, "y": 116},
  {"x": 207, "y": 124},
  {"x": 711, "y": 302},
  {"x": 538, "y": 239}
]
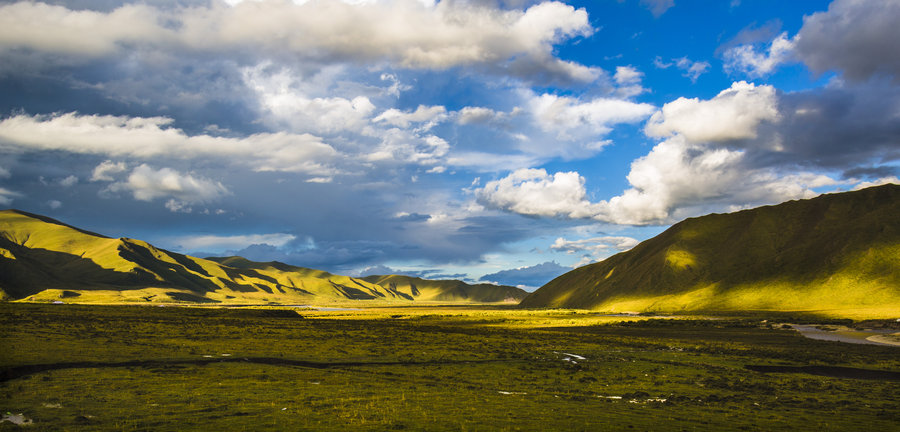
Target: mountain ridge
[
  {"x": 42, "y": 259},
  {"x": 444, "y": 289},
  {"x": 834, "y": 252}
]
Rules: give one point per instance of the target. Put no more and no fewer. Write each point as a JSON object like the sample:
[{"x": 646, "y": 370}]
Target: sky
[{"x": 500, "y": 141}]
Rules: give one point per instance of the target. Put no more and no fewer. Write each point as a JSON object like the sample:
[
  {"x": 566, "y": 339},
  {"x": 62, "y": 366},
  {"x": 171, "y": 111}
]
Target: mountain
[
  {"x": 444, "y": 290},
  {"x": 42, "y": 259},
  {"x": 836, "y": 254}
]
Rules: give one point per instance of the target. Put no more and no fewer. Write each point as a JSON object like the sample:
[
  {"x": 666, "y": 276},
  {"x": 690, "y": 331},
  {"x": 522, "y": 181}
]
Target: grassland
[{"x": 76, "y": 367}]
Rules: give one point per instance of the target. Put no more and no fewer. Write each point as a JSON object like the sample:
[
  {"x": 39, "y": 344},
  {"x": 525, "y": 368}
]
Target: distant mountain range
[
  {"x": 837, "y": 254},
  {"x": 42, "y": 259}
]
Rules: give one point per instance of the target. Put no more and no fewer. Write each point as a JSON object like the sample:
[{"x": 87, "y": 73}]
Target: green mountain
[
  {"x": 445, "y": 290},
  {"x": 837, "y": 254},
  {"x": 42, "y": 259}
]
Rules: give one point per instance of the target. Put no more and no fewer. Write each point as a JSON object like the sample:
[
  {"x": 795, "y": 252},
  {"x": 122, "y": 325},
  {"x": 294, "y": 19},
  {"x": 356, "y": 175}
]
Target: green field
[{"x": 73, "y": 367}]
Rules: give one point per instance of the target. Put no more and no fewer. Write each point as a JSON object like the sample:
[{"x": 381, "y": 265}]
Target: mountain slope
[
  {"x": 836, "y": 252},
  {"x": 447, "y": 290},
  {"x": 44, "y": 259}
]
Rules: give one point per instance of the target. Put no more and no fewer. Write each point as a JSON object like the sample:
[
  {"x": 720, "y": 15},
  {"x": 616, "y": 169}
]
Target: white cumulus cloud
[
  {"x": 68, "y": 181},
  {"x": 406, "y": 33},
  {"x": 84, "y": 33},
  {"x": 152, "y": 137},
  {"x": 748, "y": 59},
  {"x": 733, "y": 114},
  {"x": 285, "y": 100},
  {"x": 429, "y": 115},
  {"x": 106, "y": 170},
  {"x": 148, "y": 184},
  {"x": 677, "y": 179},
  {"x": 570, "y": 117},
  {"x": 401, "y": 146},
  {"x": 534, "y": 192}
]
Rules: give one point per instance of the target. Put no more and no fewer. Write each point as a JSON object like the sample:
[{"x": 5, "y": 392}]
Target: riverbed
[{"x": 849, "y": 335}]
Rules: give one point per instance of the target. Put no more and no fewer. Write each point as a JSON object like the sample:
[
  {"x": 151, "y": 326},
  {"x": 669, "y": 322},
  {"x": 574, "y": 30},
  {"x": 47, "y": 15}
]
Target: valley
[{"x": 776, "y": 318}]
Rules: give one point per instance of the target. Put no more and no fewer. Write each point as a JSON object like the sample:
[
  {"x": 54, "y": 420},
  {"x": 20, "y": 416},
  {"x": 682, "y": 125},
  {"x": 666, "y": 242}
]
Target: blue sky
[{"x": 502, "y": 141}]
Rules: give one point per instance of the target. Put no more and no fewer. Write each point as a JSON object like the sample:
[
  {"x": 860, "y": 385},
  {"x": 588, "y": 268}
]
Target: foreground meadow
[{"x": 71, "y": 367}]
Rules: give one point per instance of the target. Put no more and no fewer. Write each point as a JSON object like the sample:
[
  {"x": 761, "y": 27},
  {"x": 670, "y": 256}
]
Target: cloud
[
  {"x": 284, "y": 101},
  {"x": 855, "y": 37},
  {"x": 68, "y": 181},
  {"x": 377, "y": 270},
  {"x": 533, "y": 192},
  {"x": 432, "y": 274},
  {"x": 400, "y": 146},
  {"x": 677, "y": 179},
  {"x": 749, "y": 145},
  {"x": 584, "y": 122},
  {"x": 7, "y": 196},
  {"x": 593, "y": 249},
  {"x": 877, "y": 182},
  {"x": 537, "y": 127},
  {"x": 492, "y": 162},
  {"x": 748, "y": 60},
  {"x": 628, "y": 81},
  {"x": 148, "y": 184},
  {"x": 816, "y": 128},
  {"x": 106, "y": 170},
  {"x": 54, "y": 204},
  {"x": 429, "y": 115},
  {"x": 84, "y": 33},
  {"x": 224, "y": 242},
  {"x": 340, "y": 257},
  {"x": 479, "y": 115},
  {"x": 527, "y": 277},
  {"x": 690, "y": 69},
  {"x": 407, "y": 33},
  {"x": 658, "y": 7},
  {"x": 152, "y": 137},
  {"x": 734, "y": 114},
  {"x": 595, "y": 245}
]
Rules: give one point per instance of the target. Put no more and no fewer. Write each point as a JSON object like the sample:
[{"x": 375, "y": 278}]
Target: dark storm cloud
[
  {"x": 858, "y": 38},
  {"x": 194, "y": 93},
  {"x": 533, "y": 276},
  {"x": 373, "y": 244},
  {"x": 871, "y": 173},
  {"x": 843, "y": 127}
]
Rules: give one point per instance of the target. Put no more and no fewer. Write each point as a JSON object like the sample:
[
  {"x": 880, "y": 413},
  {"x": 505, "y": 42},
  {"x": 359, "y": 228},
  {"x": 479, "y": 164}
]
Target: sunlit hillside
[
  {"x": 837, "y": 254},
  {"x": 42, "y": 259},
  {"x": 444, "y": 290}
]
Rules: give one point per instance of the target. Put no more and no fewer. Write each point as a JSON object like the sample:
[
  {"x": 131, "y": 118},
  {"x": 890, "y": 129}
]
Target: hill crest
[{"x": 836, "y": 252}]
